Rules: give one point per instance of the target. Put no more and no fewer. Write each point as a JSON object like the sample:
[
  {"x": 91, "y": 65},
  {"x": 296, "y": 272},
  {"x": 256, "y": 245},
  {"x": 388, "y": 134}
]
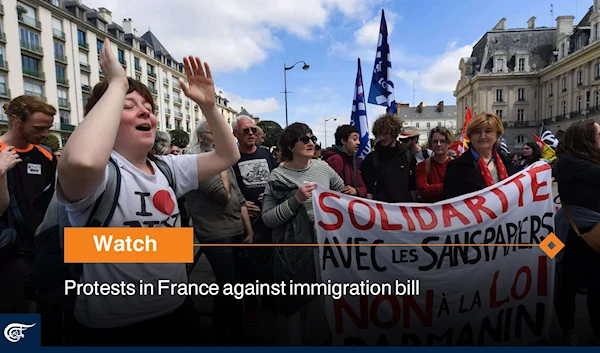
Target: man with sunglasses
[{"x": 252, "y": 174}]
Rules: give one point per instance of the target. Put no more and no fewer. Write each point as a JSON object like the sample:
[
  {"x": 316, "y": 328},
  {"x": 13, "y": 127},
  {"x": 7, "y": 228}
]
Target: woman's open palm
[{"x": 200, "y": 87}]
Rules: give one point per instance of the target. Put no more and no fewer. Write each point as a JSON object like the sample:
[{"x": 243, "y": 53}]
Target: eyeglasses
[
  {"x": 248, "y": 129},
  {"x": 306, "y": 139}
]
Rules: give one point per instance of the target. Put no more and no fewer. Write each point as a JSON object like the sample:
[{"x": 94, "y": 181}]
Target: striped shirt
[{"x": 277, "y": 212}]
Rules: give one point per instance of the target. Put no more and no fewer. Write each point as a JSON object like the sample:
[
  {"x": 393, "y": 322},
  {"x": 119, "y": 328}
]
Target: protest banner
[{"x": 471, "y": 291}]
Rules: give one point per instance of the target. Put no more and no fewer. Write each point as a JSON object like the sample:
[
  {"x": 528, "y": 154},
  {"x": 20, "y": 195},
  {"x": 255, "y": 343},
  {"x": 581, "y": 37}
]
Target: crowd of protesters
[{"x": 235, "y": 190}]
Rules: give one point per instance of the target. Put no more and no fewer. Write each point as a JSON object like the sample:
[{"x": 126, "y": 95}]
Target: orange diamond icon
[{"x": 556, "y": 247}]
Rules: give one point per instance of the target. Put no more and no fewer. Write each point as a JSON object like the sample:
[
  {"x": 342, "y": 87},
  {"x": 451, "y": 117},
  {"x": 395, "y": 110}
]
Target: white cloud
[
  {"x": 230, "y": 35},
  {"x": 368, "y": 34},
  {"x": 253, "y": 106},
  {"x": 441, "y": 75}
]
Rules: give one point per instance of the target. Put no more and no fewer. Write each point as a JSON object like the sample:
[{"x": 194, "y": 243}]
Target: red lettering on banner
[
  {"x": 475, "y": 204},
  {"x": 542, "y": 285},
  {"x": 503, "y": 199},
  {"x": 493, "y": 302},
  {"x": 411, "y": 223},
  {"x": 535, "y": 185},
  {"x": 338, "y": 214},
  {"x": 422, "y": 224},
  {"x": 449, "y": 212},
  {"x": 385, "y": 223},
  {"x": 369, "y": 224},
  {"x": 375, "y": 310},
  {"x": 369, "y": 312},
  {"x": 517, "y": 181},
  {"x": 513, "y": 290}
]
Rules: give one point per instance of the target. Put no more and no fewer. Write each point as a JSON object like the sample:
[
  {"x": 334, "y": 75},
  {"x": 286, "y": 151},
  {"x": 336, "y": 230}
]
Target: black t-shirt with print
[
  {"x": 33, "y": 186},
  {"x": 252, "y": 173}
]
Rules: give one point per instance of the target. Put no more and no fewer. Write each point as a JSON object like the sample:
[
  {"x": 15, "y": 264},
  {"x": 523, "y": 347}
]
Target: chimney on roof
[
  {"x": 420, "y": 108},
  {"x": 531, "y": 22},
  {"x": 105, "y": 14},
  {"x": 128, "y": 26},
  {"x": 441, "y": 106},
  {"x": 500, "y": 25},
  {"x": 399, "y": 106},
  {"x": 564, "y": 24}
]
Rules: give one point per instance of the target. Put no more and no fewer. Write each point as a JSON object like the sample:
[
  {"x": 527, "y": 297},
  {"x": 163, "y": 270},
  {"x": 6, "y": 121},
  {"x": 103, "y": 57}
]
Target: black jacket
[
  {"x": 389, "y": 173},
  {"x": 463, "y": 175},
  {"x": 578, "y": 182}
]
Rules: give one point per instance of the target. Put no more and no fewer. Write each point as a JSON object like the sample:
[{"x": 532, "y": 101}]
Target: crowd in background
[{"x": 232, "y": 190}]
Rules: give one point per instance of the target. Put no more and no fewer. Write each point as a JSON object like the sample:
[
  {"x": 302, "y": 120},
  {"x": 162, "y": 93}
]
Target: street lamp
[
  {"x": 326, "y": 120},
  {"x": 285, "y": 68}
]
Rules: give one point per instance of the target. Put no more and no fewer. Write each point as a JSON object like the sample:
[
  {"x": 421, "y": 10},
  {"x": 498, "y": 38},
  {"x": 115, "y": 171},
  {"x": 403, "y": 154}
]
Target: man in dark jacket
[
  {"x": 342, "y": 158},
  {"x": 389, "y": 171}
]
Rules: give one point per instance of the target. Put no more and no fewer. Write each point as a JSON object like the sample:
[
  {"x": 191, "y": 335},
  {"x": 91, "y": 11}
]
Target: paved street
[{"x": 263, "y": 329}]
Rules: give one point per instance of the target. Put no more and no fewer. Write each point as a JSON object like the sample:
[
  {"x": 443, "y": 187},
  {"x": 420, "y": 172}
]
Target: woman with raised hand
[{"x": 120, "y": 125}]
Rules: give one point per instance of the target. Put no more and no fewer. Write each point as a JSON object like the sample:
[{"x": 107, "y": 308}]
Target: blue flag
[
  {"x": 382, "y": 87},
  {"x": 358, "y": 118}
]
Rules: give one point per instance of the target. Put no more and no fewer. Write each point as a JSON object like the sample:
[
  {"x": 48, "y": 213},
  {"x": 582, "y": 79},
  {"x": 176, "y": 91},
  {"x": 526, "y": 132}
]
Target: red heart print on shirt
[{"x": 163, "y": 202}]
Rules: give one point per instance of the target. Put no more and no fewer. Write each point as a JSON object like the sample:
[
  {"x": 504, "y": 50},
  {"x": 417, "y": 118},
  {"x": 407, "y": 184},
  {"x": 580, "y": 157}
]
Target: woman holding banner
[
  {"x": 481, "y": 165},
  {"x": 531, "y": 153},
  {"x": 578, "y": 178},
  {"x": 288, "y": 209}
]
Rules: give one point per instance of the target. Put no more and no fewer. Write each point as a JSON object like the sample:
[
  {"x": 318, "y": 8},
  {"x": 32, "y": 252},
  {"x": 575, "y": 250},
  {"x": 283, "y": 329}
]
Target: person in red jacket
[
  {"x": 342, "y": 158},
  {"x": 430, "y": 172}
]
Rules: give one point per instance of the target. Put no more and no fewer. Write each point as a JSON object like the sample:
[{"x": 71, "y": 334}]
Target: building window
[
  {"x": 500, "y": 65},
  {"x": 99, "y": 44},
  {"x": 550, "y": 89},
  {"x": 521, "y": 94},
  {"x": 33, "y": 89},
  {"x": 439, "y": 123},
  {"x": 56, "y": 3},
  {"x": 138, "y": 77},
  {"x": 136, "y": 62},
  {"x": 520, "y": 139},
  {"x": 522, "y": 64},
  {"x": 85, "y": 80},
  {"x": 428, "y": 125},
  {"x": 564, "y": 82},
  {"x": 597, "y": 98},
  {"x": 416, "y": 125},
  {"x": 31, "y": 38},
  {"x": 596, "y": 34},
  {"x": 562, "y": 50},
  {"x": 579, "y": 78},
  {"x": 499, "y": 95},
  {"x": 520, "y": 115},
  {"x": 121, "y": 56},
  {"x": 499, "y": 113},
  {"x": 3, "y": 88},
  {"x": 59, "y": 50},
  {"x": 83, "y": 59},
  {"x": 579, "y": 104},
  {"x": 62, "y": 97},
  {"x": 64, "y": 117},
  {"x": 31, "y": 65},
  {"x": 81, "y": 38},
  {"x": 102, "y": 26},
  {"x": 85, "y": 98},
  {"x": 597, "y": 71},
  {"x": 60, "y": 73},
  {"x": 549, "y": 111},
  {"x": 564, "y": 108}
]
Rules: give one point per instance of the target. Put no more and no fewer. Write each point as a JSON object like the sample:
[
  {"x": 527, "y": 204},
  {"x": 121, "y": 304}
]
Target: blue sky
[{"x": 247, "y": 43}]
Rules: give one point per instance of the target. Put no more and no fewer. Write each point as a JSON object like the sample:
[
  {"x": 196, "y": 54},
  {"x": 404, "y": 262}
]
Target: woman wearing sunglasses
[{"x": 288, "y": 210}]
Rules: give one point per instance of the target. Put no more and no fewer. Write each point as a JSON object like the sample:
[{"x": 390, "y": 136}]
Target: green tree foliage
[
  {"x": 272, "y": 132},
  {"x": 52, "y": 142},
  {"x": 179, "y": 138}
]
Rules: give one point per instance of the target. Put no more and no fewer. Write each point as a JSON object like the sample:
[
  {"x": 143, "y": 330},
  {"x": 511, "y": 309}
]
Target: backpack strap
[
  {"x": 166, "y": 170},
  {"x": 102, "y": 212}
]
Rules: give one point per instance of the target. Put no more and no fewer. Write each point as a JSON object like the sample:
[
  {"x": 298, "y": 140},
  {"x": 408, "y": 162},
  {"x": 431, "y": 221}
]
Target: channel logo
[{"x": 20, "y": 330}]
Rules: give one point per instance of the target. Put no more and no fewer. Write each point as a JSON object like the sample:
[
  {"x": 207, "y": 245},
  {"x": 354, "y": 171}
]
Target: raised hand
[
  {"x": 305, "y": 191},
  {"x": 200, "y": 87},
  {"x": 110, "y": 66},
  {"x": 8, "y": 159}
]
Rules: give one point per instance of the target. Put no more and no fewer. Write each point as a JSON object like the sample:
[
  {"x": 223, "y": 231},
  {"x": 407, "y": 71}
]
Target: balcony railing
[
  {"x": 4, "y": 92},
  {"x": 35, "y": 48},
  {"x": 84, "y": 45},
  {"x": 86, "y": 88},
  {"x": 35, "y": 94},
  {"x": 521, "y": 123},
  {"x": 57, "y": 33},
  {"x": 3, "y": 37},
  {"x": 178, "y": 114},
  {"x": 30, "y": 21},
  {"x": 60, "y": 57},
  {"x": 187, "y": 104},
  {"x": 34, "y": 73},
  {"x": 152, "y": 74},
  {"x": 62, "y": 81},
  {"x": 167, "y": 96},
  {"x": 67, "y": 127},
  {"x": 168, "y": 112},
  {"x": 3, "y": 65},
  {"x": 138, "y": 68},
  {"x": 188, "y": 117},
  {"x": 178, "y": 100},
  {"x": 123, "y": 63},
  {"x": 64, "y": 103},
  {"x": 176, "y": 85},
  {"x": 153, "y": 90},
  {"x": 85, "y": 67},
  {"x": 168, "y": 126},
  {"x": 166, "y": 81}
]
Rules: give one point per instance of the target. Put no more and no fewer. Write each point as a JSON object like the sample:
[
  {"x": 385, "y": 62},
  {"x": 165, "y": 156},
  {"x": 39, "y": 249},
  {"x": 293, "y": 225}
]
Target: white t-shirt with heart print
[{"x": 144, "y": 201}]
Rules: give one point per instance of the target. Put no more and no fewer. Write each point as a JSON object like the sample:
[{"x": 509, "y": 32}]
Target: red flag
[{"x": 464, "y": 140}]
